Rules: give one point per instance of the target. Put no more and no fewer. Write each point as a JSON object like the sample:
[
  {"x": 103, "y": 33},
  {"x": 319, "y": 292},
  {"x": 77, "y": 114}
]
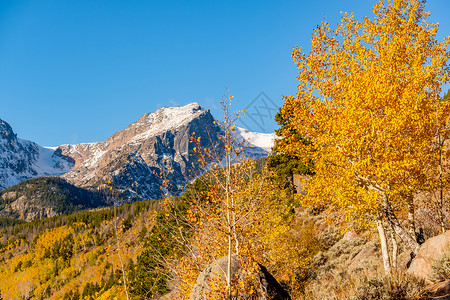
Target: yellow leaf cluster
[{"x": 368, "y": 100}]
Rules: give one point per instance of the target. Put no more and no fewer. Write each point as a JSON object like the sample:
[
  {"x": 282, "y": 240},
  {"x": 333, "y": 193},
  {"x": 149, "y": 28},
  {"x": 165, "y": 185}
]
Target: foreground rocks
[
  {"x": 262, "y": 284},
  {"x": 431, "y": 250}
]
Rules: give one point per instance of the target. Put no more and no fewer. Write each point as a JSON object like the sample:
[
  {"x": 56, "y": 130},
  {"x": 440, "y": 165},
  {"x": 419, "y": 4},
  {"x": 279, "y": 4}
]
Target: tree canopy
[{"x": 368, "y": 100}]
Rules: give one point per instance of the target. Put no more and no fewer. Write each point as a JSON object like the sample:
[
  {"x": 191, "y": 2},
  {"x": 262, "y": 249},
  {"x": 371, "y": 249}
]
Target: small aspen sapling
[{"x": 236, "y": 215}]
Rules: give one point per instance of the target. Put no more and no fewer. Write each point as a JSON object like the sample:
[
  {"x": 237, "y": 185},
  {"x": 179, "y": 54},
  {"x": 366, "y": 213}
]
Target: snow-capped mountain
[
  {"x": 22, "y": 159},
  {"x": 132, "y": 159},
  {"x": 258, "y": 144}
]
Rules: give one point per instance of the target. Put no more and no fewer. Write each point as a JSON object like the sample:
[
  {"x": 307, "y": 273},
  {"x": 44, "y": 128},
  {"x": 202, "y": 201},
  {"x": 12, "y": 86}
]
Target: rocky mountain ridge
[{"x": 133, "y": 159}]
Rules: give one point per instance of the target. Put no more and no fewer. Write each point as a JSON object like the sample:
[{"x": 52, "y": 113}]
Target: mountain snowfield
[
  {"x": 256, "y": 140},
  {"x": 29, "y": 160},
  {"x": 22, "y": 159},
  {"x": 167, "y": 118},
  {"x": 131, "y": 158}
]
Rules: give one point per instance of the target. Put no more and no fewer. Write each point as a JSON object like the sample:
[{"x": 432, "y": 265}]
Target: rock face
[
  {"x": 133, "y": 157},
  {"x": 440, "y": 290},
  {"x": 264, "y": 284},
  {"x": 21, "y": 159},
  {"x": 431, "y": 250}
]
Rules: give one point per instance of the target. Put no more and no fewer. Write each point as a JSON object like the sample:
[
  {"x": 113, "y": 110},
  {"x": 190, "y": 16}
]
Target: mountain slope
[
  {"x": 46, "y": 197},
  {"x": 22, "y": 159},
  {"x": 133, "y": 158}
]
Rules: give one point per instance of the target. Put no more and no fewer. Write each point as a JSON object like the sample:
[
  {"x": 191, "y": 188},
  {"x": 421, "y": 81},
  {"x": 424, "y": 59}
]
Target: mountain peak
[
  {"x": 188, "y": 108},
  {"x": 177, "y": 114},
  {"x": 6, "y": 132},
  {"x": 165, "y": 119},
  {"x": 132, "y": 156}
]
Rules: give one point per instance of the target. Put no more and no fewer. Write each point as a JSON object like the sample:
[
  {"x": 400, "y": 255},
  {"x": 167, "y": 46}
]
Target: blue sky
[{"x": 78, "y": 71}]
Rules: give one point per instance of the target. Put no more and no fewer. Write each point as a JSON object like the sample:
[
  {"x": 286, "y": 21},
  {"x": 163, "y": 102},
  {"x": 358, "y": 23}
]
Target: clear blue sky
[{"x": 78, "y": 71}]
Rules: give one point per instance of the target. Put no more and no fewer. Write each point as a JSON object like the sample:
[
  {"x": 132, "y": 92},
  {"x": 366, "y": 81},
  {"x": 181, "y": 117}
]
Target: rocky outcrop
[
  {"x": 431, "y": 250},
  {"x": 367, "y": 257},
  {"x": 440, "y": 290},
  {"x": 263, "y": 284}
]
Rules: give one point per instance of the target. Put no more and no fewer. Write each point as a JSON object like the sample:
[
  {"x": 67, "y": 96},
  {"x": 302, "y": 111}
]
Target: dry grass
[{"x": 398, "y": 285}]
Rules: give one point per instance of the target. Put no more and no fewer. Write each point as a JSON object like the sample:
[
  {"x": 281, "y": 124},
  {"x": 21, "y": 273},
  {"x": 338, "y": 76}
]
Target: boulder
[
  {"x": 431, "y": 250},
  {"x": 264, "y": 285},
  {"x": 404, "y": 260},
  {"x": 368, "y": 256}
]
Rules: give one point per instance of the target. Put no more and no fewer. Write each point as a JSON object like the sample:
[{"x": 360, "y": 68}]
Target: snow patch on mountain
[
  {"x": 169, "y": 118},
  {"x": 257, "y": 144},
  {"x": 49, "y": 163},
  {"x": 22, "y": 159},
  {"x": 264, "y": 141}
]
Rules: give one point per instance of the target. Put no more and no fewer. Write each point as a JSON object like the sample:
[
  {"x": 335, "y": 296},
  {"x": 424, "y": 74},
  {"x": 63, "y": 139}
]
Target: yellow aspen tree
[
  {"x": 366, "y": 100},
  {"x": 237, "y": 217}
]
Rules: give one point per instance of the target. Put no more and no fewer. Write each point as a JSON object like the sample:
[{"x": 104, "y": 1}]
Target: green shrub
[{"x": 441, "y": 268}]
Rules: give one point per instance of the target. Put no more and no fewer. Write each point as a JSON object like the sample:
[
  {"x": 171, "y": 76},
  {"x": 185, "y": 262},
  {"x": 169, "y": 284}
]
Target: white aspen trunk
[
  {"x": 442, "y": 223},
  {"x": 229, "y": 217},
  {"x": 441, "y": 187},
  {"x": 229, "y": 267},
  {"x": 236, "y": 238},
  {"x": 384, "y": 247},
  {"x": 441, "y": 191},
  {"x": 395, "y": 225},
  {"x": 411, "y": 219},
  {"x": 394, "y": 250}
]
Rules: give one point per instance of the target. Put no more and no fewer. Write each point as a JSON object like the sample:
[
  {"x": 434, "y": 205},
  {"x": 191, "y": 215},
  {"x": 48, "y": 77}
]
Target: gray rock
[
  {"x": 368, "y": 256},
  {"x": 264, "y": 284},
  {"x": 349, "y": 236}
]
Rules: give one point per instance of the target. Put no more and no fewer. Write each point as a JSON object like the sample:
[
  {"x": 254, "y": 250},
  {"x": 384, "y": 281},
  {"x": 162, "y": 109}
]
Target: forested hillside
[
  {"x": 75, "y": 256},
  {"x": 46, "y": 197}
]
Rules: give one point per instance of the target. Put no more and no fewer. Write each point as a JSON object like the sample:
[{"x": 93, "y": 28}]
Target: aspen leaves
[{"x": 367, "y": 95}]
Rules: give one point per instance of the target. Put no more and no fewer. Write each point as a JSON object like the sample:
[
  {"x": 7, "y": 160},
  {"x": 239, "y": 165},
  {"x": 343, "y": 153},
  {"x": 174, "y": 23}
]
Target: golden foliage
[
  {"x": 240, "y": 214},
  {"x": 368, "y": 101}
]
